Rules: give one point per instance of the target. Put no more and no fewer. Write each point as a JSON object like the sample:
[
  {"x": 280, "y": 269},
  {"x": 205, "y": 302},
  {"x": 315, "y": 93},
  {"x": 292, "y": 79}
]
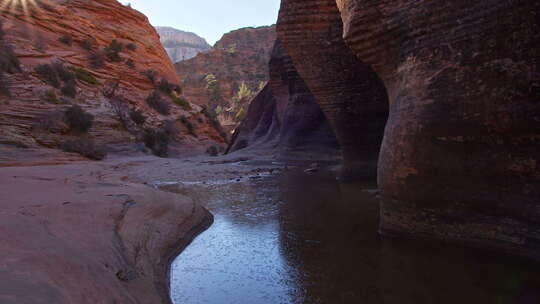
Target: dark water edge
[{"x": 299, "y": 238}]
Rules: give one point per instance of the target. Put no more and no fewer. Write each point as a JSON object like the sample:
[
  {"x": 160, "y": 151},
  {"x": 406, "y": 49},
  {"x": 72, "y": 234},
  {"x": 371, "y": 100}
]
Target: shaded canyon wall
[
  {"x": 351, "y": 95},
  {"x": 284, "y": 116},
  {"x": 459, "y": 159}
]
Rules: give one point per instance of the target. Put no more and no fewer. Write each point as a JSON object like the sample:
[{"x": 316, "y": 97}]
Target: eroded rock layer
[
  {"x": 284, "y": 117},
  {"x": 227, "y": 77},
  {"x": 100, "y": 55},
  {"x": 350, "y": 94},
  {"x": 461, "y": 153}
]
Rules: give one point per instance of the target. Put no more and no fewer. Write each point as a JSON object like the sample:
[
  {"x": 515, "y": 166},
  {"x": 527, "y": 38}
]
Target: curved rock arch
[
  {"x": 460, "y": 155},
  {"x": 348, "y": 91}
]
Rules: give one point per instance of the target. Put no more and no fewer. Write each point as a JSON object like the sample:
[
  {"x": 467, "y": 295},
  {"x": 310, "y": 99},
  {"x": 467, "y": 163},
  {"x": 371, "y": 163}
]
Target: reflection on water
[{"x": 301, "y": 238}]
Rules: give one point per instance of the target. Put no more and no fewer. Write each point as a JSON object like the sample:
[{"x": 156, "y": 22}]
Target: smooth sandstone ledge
[{"x": 76, "y": 234}]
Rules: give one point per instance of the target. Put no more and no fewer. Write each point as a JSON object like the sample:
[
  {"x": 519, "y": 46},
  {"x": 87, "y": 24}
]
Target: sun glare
[{"x": 12, "y": 6}]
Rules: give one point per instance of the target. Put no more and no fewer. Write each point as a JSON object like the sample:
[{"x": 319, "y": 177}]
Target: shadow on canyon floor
[{"x": 298, "y": 238}]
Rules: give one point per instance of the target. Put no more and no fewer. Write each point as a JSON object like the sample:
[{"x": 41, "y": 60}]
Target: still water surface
[{"x": 298, "y": 238}]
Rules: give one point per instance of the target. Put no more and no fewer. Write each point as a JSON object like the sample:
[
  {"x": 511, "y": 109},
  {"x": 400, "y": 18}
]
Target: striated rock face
[
  {"x": 460, "y": 158},
  {"x": 284, "y": 116},
  {"x": 350, "y": 94},
  {"x": 230, "y": 75},
  {"x": 181, "y": 45},
  {"x": 112, "y": 78}
]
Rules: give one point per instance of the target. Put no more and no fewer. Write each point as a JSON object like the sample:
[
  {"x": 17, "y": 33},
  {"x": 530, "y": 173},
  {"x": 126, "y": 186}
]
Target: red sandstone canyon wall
[
  {"x": 459, "y": 159},
  {"x": 109, "y": 85}
]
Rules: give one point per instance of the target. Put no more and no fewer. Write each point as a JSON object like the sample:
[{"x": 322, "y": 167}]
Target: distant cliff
[
  {"x": 230, "y": 75},
  {"x": 181, "y": 45}
]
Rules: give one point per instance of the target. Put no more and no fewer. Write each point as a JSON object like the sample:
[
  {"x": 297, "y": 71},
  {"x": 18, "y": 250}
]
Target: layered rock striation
[
  {"x": 100, "y": 56},
  {"x": 181, "y": 45}
]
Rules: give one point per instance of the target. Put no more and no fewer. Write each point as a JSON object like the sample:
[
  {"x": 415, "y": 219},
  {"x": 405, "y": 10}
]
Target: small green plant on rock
[
  {"x": 50, "y": 96},
  {"x": 182, "y": 102},
  {"x": 151, "y": 75},
  {"x": 130, "y": 63},
  {"x": 112, "y": 51},
  {"x": 131, "y": 46},
  {"x": 87, "y": 44},
  {"x": 9, "y": 62},
  {"x": 165, "y": 86},
  {"x": 85, "y": 147},
  {"x": 157, "y": 141},
  {"x": 97, "y": 60},
  {"x": 63, "y": 73},
  {"x": 78, "y": 120},
  {"x": 70, "y": 89},
  {"x": 66, "y": 39},
  {"x": 4, "y": 88},
  {"x": 189, "y": 125},
  {"x": 157, "y": 103},
  {"x": 137, "y": 116},
  {"x": 84, "y": 75},
  {"x": 49, "y": 75}
]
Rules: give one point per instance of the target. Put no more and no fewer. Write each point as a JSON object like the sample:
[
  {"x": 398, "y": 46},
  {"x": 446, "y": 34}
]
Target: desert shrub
[
  {"x": 189, "y": 125},
  {"x": 66, "y": 39},
  {"x": 212, "y": 151},
  {"x": 171, "y": 128},
  {"x": 50, "y": 96},
  {"x": 157, "y": 103},
  {"x": 84, "y": 75},
  {"x": 70, "y": 88},
  {"x": 240, "y": 115},
  {"x": 4, "y": 87},
  {"x": 157, "y": 141},
  {"x": 211, "y": 117},
  {"x": 137, "y": 117},
  {"x": 165, "y": 86},
  {"x": 63, "y": 73},
  {"x": 131, "y": 46},
  {"x": 182, "y": 102},
  {"x": 87, "y": 44},
  {"x": 112, "y": 51},
  {"x": 78, "y": 120},
  {"x": 49, "y": 74},
  {"x": 8, "y": 59},
  {"x": 85, "y": 147},
  {"x": 151, "y": 75},
  {"x": 130, "y": 63},
  {"x": 97, "y": 60}
]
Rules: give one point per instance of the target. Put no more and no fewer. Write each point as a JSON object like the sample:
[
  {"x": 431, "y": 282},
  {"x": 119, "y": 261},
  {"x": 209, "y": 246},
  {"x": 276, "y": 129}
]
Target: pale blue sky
[{"x": 209, "y": 19}]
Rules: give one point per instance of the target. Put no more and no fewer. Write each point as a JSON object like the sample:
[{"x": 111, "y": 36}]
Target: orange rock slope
[
  {"x": 228, "y": 77},
  {"x": 112, "y": 81}
]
